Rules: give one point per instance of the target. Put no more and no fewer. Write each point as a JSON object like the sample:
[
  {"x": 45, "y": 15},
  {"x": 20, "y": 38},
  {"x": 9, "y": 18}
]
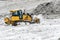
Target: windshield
[{"x": 15, "y": 13}]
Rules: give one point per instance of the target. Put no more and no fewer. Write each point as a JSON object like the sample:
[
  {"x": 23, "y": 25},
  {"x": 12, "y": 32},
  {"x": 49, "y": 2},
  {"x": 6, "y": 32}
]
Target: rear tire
[{"x": 37, "y": 21}]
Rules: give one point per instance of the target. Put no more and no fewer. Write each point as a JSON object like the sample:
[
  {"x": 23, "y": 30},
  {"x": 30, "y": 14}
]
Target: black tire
[
  {"x": 14, "y": 24},
  {"x": 31, "y": 22}
]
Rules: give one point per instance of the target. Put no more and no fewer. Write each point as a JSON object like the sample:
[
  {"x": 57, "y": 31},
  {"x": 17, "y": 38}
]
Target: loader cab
[{"x": 17, "y": 13}]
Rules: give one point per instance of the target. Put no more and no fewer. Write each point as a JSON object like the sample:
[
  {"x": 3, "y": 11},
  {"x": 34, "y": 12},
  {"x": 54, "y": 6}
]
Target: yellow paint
[
  {"x": 6, "y": 19},
  {"x": 14, "y": 10},
  {"x": 15, "y": 18},
  {"x": 27, "y": 18}
]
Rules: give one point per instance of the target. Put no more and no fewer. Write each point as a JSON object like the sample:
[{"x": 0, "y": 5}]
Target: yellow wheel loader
[{"x": 19, "y": 16}]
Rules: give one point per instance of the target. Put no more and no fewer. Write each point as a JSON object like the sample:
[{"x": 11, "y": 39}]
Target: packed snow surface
[{"x": 48, "y": 29}]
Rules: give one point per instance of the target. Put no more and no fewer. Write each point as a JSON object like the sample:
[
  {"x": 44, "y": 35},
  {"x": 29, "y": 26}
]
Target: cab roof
[{"x": 13, "y": 10}]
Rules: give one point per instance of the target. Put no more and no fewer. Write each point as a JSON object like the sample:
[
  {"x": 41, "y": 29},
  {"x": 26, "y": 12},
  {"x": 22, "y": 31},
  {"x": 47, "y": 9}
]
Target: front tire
[{"x": 14, "y": 24}]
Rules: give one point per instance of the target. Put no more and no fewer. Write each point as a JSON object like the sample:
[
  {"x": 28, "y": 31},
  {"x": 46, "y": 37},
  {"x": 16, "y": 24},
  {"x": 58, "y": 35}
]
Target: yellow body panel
[
  {"x": 15, "y": 18},
  {"x": 27, "y": 18}
]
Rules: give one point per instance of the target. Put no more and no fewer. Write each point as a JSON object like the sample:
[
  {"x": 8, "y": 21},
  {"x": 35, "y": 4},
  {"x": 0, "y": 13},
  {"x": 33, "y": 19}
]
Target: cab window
[{"x": 15, "y": 14}]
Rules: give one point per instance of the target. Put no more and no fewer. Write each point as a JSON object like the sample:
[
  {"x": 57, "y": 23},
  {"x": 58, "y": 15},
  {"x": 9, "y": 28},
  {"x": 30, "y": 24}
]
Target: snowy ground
[{"x": 48, "y": 29}]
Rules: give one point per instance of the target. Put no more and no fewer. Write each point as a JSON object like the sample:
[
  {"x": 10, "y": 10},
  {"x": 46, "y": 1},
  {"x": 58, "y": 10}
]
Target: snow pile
[
  {"x": 44, "y": 8},
  {"x": 48, "y": 9}
]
